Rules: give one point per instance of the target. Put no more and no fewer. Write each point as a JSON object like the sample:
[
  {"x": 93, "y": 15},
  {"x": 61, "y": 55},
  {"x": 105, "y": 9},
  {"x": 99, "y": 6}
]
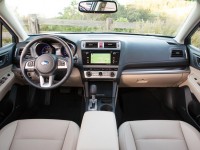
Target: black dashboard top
[{"x": 137, "y": 51}]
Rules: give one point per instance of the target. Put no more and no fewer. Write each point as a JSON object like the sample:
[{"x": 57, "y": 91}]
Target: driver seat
[{"x": 39, "y": 134}]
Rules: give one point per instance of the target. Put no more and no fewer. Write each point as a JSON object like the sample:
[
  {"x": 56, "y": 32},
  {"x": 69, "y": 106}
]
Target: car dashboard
[{"x": 128, "y": 60}]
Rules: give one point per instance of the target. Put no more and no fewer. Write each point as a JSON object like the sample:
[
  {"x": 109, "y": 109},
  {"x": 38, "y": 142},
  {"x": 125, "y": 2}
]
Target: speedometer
[
  {"x": 72, "y": 47},
  {"x": 47, "y": 50}
]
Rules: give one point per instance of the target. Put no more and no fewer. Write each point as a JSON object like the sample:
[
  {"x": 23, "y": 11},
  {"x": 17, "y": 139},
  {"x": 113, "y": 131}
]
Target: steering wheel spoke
[
  {"x": 30, "y": 64},
  {"x": 46, "y": 81},
  {"x": 62, "y": 63}
]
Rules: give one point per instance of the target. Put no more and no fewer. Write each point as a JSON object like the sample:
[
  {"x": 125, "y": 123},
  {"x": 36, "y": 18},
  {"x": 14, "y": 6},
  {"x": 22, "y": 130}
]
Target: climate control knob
[
  {"x": 112, "y": 74},
  {"x": 88, "y": 74},
  {"x": 100, "y": 73}
]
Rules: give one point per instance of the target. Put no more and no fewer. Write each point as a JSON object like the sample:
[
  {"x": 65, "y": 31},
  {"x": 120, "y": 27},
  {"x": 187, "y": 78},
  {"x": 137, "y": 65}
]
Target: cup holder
[{"x": 106, "y": 108}]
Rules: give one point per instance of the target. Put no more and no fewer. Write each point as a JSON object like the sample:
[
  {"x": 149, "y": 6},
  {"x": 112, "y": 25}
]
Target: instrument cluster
[{"x": 53, "y": 48}]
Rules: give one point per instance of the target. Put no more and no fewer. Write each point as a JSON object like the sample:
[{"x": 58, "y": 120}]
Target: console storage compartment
[{"x": 98, "y": 131}]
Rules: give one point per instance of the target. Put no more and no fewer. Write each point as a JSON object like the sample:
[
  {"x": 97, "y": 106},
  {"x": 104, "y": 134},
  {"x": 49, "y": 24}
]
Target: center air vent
[
  {"x": 177, "y": 53},
  {"x": 91, "y": 45},
  {"x": 110, "y": 45},
  {"x": 114, "y": 45}
]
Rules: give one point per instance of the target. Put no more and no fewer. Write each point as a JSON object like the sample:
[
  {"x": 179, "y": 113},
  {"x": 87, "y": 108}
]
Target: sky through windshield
[{"x": 133, "y": 16}]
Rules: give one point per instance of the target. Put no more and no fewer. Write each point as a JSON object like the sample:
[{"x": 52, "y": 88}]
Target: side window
[
  {"x": 195, "y": 39},
  {"x": 6, "y": 37}
]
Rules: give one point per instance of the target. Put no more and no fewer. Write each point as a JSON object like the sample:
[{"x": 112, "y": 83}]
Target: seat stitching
[
  {"x": 133, "y": 135},
  {"x": 65, "y": 135},
  {"x": 160, "y": 139},
  {"x": 14, "y": 135},
  {"x": 124, "y": 143},
  {"x": 37, "y": 139},
  {"x": 183, "y": 135}
]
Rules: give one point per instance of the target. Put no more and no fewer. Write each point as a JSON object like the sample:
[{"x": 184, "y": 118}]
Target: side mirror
[{"x": 97, "y": 6}]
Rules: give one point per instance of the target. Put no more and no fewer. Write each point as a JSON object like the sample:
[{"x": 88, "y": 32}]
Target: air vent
[
  {"x": 110, "y": 45},
  {"x": 177, "y": 53},
  {"x": 20, "y": 52},
  {"x": 91, "y": 45}
]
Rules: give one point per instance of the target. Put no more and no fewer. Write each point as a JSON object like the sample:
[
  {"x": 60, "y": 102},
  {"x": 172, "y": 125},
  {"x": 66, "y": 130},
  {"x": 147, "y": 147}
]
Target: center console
[
  {"x": 100, "y": 59},
  {"x": 100, "y": 70},
  {"x": 98, "y": 131}
]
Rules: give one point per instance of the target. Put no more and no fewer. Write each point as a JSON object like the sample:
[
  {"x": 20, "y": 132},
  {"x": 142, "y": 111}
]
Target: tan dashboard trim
[
  {"x": 75, "y": 79},
  {"x": 153, "y": 80},
  {"x": 7, "y": 85}
]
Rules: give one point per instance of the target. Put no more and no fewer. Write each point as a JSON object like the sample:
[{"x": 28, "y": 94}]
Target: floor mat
[
  {"x": 142, "y": 104},
  {"x": 65, "y": 106}
]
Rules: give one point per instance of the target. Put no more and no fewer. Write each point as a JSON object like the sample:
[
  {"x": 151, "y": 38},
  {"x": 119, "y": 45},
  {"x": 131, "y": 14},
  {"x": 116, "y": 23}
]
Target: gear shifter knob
[{"x": 93, "y": 89}]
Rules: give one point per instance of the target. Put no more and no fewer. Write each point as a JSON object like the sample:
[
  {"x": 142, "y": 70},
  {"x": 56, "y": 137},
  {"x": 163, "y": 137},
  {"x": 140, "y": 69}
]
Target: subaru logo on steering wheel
[{"x": 45, "y": 62}]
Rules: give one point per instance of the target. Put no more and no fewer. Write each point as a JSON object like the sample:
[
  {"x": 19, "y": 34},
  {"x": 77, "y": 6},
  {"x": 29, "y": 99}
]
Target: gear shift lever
[
  {"x": 93, "y": 101},
  {"x": 93, "y": 91}
]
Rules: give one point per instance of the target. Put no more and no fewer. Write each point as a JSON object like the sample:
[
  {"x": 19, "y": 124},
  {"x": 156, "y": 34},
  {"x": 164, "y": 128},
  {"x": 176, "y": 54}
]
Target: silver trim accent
[
  {"x": 83, "y": 43},
  {"x": 46, "y": 84},
  {"x": 90, "y": 104},
  {"x": 95, "y": 75},
  {"x": 28, "y": 67},
  {"x": 62, "y": 67},
  {"x": 100, "y": 66},
  {"x": 186, "y": 55},
  {"x": 162, "y": 71}
]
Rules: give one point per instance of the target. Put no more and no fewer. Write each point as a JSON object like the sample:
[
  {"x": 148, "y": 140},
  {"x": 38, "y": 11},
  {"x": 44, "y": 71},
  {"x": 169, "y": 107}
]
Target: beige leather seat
[
  {"x": 39, "y": 134},
  {"x": 158, "y": 135}
]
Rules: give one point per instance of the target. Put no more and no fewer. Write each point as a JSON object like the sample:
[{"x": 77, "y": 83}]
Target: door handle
[{"x": 3, "y": 59}]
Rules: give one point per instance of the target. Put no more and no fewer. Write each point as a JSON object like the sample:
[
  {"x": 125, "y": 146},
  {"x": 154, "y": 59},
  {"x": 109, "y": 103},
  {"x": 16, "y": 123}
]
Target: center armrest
[{"x": 98, "y": 131}]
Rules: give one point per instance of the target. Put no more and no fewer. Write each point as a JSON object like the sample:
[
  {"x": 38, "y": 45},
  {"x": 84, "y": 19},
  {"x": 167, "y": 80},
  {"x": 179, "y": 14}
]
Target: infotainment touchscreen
[{"x": 100, "y": 58}]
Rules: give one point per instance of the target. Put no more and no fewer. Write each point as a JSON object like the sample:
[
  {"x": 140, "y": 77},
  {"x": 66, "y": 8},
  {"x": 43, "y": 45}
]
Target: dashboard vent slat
[
  {"x": 110, "y": 45},
  {"x": 177, "y": 53},
  {"x": 91, "y": 45}
]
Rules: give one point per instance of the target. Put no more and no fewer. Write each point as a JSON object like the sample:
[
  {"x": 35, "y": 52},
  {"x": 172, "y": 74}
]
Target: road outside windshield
[{"x": 133, "y": 16}]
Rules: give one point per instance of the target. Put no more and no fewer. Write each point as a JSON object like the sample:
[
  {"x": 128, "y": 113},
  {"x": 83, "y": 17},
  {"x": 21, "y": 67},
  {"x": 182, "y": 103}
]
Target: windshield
[{"x": 154, "y": 17}]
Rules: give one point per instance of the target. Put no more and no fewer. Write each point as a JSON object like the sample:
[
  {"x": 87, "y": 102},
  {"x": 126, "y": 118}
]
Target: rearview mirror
[{"x": 97, "y": 6}]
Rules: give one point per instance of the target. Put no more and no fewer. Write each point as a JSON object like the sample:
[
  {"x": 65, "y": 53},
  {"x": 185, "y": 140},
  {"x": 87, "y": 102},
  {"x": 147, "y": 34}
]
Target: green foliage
[
  {"x": 195, "y": 41},
  {"x": 56, "y": 28},
  {"x": 121, "y": 19},
  {"x": 152, "y": 17}
]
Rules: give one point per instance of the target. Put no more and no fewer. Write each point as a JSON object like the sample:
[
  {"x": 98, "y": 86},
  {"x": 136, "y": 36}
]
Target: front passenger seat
[
  {"x": 39, "y": 134},
  {"x": 158, "y": 135}
]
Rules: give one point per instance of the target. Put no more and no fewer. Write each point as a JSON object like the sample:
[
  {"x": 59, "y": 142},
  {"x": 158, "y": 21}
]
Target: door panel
[
  {"x": 6, "y": 74},
  {"x": 193, "y": 80},
  {"x": 7, "y": 80},
  {"x": 194, "y": 57},
  {"x": 6, "y": 54}
]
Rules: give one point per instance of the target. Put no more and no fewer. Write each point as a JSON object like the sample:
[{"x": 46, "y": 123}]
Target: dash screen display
[{"x": 100, "y": 58}]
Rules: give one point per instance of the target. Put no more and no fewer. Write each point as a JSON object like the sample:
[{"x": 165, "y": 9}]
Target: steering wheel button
[{"x": 61, "y": 63}]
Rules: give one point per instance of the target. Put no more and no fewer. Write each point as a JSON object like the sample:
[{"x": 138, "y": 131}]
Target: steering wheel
[{"x": 46, "y": 65}]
